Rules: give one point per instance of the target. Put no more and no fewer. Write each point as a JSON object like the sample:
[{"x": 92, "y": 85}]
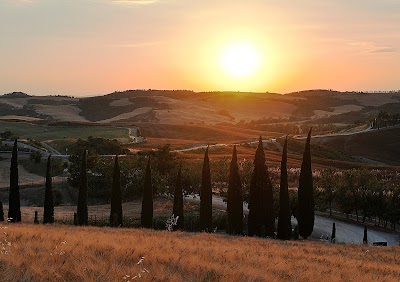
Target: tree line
[
  {"x": 385, "y": 119},
  {"x": 260, "y": 220},
  {"x": 372, "y": 196}
]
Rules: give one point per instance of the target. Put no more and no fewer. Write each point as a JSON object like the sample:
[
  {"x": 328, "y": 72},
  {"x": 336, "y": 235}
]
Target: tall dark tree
[
  {"x": 284, "y": 223},
  {"x": 147, "y": 201},
  {"x": 333, "y": 236},
  {"x": 261, "y": 220},
  {"x": 178, "y": 200},
  {"x": 116, "y": 198},
  {"x": 14, "y": 210},
  {"x": 82, "y": 211},
  {"x": 206, "y": 196},
  {"x": 365, "y": 237},
  {"x": 36, "y": 219},
  {"x": 235, "y": 198},
  {"x": 305, "y": 216},
  {"x": 48, "y": 213},
  {"x": 1, "y": 211}
]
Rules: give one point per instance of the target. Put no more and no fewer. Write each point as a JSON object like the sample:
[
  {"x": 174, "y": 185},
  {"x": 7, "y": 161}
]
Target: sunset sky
[{"x": 88, "y": 47}]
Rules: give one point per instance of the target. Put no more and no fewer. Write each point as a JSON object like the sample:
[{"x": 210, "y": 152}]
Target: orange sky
[{"x": 88, "y": 47}]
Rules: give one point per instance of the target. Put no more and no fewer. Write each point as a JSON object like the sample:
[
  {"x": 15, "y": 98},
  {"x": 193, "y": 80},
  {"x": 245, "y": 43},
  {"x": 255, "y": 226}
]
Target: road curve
[{"x": 345, "y": 232}]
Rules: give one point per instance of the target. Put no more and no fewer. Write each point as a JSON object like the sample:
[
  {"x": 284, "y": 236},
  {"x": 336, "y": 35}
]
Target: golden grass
[{"x": 68, "y": 253}]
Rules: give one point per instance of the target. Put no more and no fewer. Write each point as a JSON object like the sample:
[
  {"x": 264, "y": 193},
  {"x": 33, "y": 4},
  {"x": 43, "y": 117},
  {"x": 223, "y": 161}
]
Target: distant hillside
[
  {"x": 188, "y": 107},
  {"x": 379, "y": 145},
  {"x": 17, "y": 95}
]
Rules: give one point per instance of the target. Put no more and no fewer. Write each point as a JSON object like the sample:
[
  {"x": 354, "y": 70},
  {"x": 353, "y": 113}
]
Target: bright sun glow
[{"x": 240, "y": 60}]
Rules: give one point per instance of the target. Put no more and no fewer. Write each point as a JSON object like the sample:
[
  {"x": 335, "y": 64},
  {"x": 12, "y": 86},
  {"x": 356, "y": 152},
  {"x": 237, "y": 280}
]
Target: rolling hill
[
  {"x": 187, "y": 107},
  {"x": 381, "y": 145},
  {"x": 187, "y": 119}
]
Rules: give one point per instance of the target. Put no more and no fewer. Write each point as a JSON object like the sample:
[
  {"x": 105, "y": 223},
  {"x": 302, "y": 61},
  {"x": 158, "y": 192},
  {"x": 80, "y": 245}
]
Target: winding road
[{"x": 345, "y": 232}]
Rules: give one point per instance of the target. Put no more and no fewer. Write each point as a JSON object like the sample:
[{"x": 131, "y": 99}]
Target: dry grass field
[{"x": 68, "y": 253}]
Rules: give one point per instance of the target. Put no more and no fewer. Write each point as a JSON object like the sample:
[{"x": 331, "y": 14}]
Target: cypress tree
[
  {"x": 284, "y": 223},
  {"x": 306, "y": 194},
  {"x": 365, "y": 238},
  {"x": 116, "y": 198},
  {"x": 48, "y": 213},
  {"x": 147, "y": 201},
  {"x": 261, "y": 219},
  {"x": 178, "y": 200},
  {"x": 235, "y": 198},
  {"x": 82, "y": 212},
  {"x": 14, "y": 210},
  {"x": 36, "y": 220},
  {"x": 206, "y": 196},
  {"x": 1, "y": 211},
  {"x": 333, "y": 236}
]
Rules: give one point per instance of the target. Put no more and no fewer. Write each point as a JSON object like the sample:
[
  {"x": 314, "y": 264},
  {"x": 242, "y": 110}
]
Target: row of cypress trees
[
  {"x": 261, "y": 220},
  {"x": 14, "y": 210},
  {"x": 116, "y": 214}
]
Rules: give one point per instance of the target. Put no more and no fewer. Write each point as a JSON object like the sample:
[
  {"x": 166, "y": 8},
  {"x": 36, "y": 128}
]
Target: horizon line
[{"x": 209, "y": 91}]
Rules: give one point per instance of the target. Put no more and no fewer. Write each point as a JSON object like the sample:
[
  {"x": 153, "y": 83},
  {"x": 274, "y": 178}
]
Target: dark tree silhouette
[
  {"x": 284, "y": 223},
  {"x": 116, "y": 198},
  {"x": 305, "y": 216},
  {"x": 235, "y": 198},
  {"x": 14, "y": 210},
  {"x": 333, "y": 236},
  {"x": 178, "y": 200},
  {"x": 147, "y": 201},
  {"x": 82, "y": 211},
  {"x": 1, "y": 211},
  {"x": 36, "y": 220},
  {"x": 206, "y": 196},
  {"x": 365, "y": 238},
  {"x": 48, "y": 212},
  {"x": 261, "y": 219}
]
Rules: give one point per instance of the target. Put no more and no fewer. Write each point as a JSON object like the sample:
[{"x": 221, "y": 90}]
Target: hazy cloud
[
  {"x": 371, "y": 47},
  {"x": 384, "y": 50}
]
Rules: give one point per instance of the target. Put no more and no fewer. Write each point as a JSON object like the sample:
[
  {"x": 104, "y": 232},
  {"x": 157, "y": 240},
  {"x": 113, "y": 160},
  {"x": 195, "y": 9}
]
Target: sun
[{"x": 240, "y": 60}]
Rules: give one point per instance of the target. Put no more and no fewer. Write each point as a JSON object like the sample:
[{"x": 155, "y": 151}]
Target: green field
[{"x": 43, "y": 132}]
